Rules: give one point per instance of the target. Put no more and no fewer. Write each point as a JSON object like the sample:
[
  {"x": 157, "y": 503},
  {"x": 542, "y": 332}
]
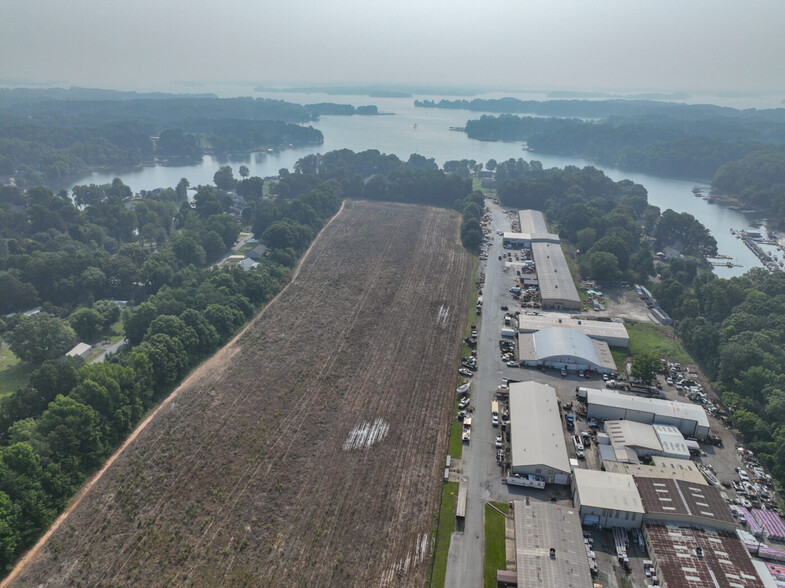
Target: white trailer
[{"x": 526, "y": 480}]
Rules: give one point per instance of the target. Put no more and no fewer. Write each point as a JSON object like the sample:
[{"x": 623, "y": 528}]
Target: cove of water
[{"x": 426, "y": 131}]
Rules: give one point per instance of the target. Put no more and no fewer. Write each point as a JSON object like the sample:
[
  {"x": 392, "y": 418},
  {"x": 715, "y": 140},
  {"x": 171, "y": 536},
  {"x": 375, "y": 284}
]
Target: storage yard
[{"x": 308, "y": 451}]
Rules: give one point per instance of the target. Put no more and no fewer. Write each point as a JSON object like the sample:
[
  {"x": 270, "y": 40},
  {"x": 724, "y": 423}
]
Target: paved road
[
  {"x": 479, "y": 468},
  {"x": 113, "y": 348},
  {"x": 465, "y": 562}
]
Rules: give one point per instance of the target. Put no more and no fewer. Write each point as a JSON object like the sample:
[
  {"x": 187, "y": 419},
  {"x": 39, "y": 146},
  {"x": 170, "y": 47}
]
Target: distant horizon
[{"x": 448, "y": 90}]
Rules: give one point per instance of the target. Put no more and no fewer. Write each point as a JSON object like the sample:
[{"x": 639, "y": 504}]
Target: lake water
[{"x": 426, "y": 131}]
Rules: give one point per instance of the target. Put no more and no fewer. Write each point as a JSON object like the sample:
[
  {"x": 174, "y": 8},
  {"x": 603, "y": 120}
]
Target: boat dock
[{"x": 753, "y": 241}]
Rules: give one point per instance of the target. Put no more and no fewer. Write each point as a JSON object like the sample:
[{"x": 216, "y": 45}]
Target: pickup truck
[{"x": 528, "y": 481}]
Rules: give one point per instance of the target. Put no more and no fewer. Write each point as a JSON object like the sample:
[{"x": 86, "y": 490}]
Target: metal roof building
[
  {"x": 613, "y": 333},
  {"x": 616, "y": 454},
  {"x": 607, "y": 499},
  {"x": 638, "y": 436},
  {"x": 663, "y": 467},
  {"x": 648, "y": 439},
  {"x": 540, "y": 526},
  {"x": 684, "y": 502},
  {"x": 690, "y": 418},
  {"x": 525, "y": 240},
  {"x": 536, "y": 437},
  {"x": 80, "y": 350},
  {"x": 565, "y": 348},
  {"x": 557, "y": 289},
  {"x": 691, "y": 557},
  {"x": 532, "y": 221}
]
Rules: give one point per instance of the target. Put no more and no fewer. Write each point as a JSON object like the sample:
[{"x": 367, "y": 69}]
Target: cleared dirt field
[{"x": 309, "y": 451}]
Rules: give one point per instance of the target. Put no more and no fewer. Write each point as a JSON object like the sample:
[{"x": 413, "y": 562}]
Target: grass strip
[
  {"x": 444, "y": 529},
  {"x": 495, "y": 543}
]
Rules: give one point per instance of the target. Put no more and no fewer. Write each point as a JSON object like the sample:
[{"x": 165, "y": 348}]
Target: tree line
[{"x": 735, "y": 329}]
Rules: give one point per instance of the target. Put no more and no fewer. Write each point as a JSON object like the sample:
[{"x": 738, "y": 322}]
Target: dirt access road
[{"x": 308, "y": 451}]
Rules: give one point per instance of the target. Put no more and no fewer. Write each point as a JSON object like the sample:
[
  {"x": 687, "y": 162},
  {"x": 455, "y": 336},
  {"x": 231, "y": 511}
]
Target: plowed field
[{"x": 308, "y": 452}]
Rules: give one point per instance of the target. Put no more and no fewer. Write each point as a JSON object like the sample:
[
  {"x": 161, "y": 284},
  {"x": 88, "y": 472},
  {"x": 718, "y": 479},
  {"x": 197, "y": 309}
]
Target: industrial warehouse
[
  {"x": 537, "y": 444},
  {"x": 611, "y": 332},
  {"x": 645, "y": 440},
  {"x": 606, "y": 499},
  {"x": 549, "y": 546},
  {"x": 557, "y": 289},
  {"x": 690, "y": 419},
  {"x": 565, "y": 348}
]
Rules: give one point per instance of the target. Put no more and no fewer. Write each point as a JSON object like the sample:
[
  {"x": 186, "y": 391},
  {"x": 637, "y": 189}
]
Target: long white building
[
  {"x": 690, "y": 419},
  {"x": 536, "y": 436}
]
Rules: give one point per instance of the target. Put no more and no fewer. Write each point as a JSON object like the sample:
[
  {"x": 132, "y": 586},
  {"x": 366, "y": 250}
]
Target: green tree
[
  {"x": 224, "y": 178},
  {"x": 109, "y": 311},
  {"x": 9, "y": 531},
  {"x": 71, "y": 432},
  {"x": 39, "y": 337},
  {"x": 645, "y": 366},
  {"x": 16, "y": 294},
  {"x": 244, "y": 173},
  {"x": 87, "y": 323},
  {"x": 604, "y": 266}
]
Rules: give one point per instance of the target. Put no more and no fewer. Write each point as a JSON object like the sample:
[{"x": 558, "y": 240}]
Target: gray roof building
[
  {"x": 607, "y": 499},
  {"x": 663, "y": 467},
  {"x": 540, "y": 526},
  {"x": 557, "y": 289},
  {"x": 532, "y": 221},
  {"x": 568, "y": 348},
  {"x": 689, "y": 418},
  {"x": 613, "y": 333},
  {"x": 536, "y": 437}
]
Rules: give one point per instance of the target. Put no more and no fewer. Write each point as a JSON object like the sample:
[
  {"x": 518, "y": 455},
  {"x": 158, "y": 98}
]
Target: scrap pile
[{"x": 622, "y": 542}]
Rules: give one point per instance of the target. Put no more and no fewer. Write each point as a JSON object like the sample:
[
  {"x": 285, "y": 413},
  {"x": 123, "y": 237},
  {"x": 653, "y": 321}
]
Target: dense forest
[
  {"x": 742, "y": 150},
  {"x": 735, "y": 328},
  {"x": 77, "y": 254},
  {"x": 607, "y": 109},
  {"x": 49, "y": 137},
  {"x": 757, "y": 180},
  {"x": 692, "y": 149}
]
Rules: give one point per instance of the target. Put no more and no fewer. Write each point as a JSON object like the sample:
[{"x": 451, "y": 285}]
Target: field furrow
[{"x": 309, "y": 450}]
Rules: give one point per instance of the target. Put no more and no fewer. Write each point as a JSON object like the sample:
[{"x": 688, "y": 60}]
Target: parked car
[
  {"x": 605, "y": 377},
  {"x": 505, "y": 307},
  {"x": 563, "y": 372},
  {"x": 498, "y": 441},
  {"x": 512, "y": 364},
  {"x": 466, "y": 372},
  {"x": 495, "y": 420}
]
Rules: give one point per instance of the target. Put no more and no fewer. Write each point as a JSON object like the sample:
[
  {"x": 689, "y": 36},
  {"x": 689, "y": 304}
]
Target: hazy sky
[{"x": 657, "y": 45}]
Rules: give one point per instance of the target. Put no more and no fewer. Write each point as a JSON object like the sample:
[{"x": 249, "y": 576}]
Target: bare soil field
[{"x": 308, "y": 452}]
